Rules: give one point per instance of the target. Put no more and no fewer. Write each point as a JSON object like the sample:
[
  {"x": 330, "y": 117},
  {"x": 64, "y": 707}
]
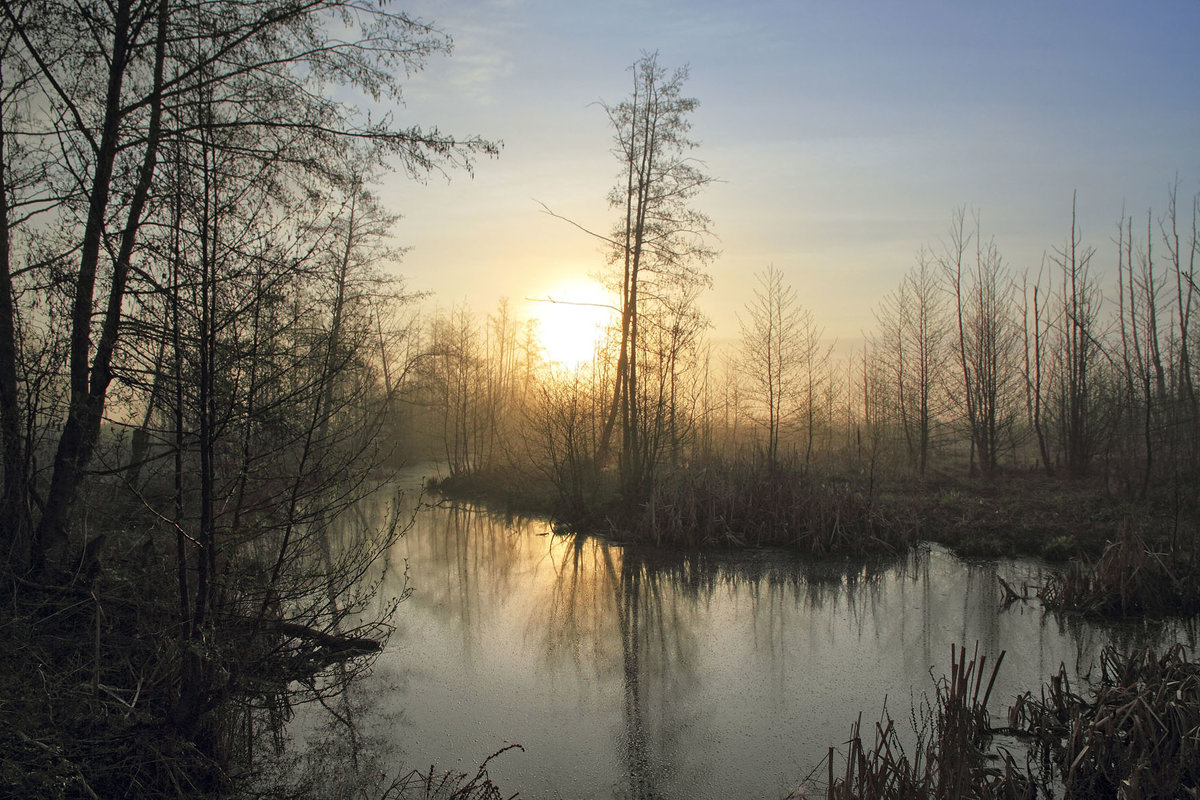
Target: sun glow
[{"x": 571, "y": 320}]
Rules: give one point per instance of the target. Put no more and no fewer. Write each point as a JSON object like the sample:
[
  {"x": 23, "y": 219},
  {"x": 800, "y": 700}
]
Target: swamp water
[{"x": 625, "y": 673}]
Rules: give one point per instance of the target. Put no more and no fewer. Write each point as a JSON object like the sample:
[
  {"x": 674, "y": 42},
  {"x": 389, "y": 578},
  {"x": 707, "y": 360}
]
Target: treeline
[
  {"x": 201, "y": 364},
  {"x": 973, "y": 368},
  {"x": 1080, "y": 369},
  {"x": 1070, "y": 367},
  {"x": 976, "y": 367}
]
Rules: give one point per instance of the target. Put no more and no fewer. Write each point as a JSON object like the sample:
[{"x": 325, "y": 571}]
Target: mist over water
[{"x": 628, "y": 673}]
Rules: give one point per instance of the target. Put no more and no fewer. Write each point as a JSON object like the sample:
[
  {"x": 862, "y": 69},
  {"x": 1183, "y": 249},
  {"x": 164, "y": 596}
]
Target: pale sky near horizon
[{"x": 844, "y": 134}]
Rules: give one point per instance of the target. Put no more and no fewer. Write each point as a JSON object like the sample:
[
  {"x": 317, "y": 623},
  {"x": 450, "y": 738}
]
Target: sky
[{"x": 843, "y": 136}]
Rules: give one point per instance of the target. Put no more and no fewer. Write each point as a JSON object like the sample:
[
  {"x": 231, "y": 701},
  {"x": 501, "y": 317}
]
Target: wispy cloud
[{"x": 485, "y": 34}]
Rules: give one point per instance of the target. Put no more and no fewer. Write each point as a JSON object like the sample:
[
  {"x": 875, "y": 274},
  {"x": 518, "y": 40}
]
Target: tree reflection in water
[{"x": 632, "y": 673}]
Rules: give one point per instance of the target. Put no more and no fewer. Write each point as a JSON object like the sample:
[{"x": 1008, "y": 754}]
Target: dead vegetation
[
  {"x": 950, "y": 758},
  {"x": 1130, "y": 578},
  {"x": 1134, "y": 733}
]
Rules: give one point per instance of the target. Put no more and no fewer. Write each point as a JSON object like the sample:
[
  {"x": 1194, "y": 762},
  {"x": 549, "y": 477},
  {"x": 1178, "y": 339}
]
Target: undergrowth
[{"x": 1130, "y": 578}]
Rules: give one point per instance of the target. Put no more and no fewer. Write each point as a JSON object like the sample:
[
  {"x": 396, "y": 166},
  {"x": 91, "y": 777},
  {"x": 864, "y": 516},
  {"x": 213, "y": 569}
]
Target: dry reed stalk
[
  {"x": 1137, "y": 735},
  {"x": 950, "y": 758},
  {"x": 1127, "y": 579}
]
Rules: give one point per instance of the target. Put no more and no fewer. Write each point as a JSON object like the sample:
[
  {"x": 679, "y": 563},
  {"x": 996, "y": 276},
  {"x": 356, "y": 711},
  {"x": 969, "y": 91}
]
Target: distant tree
[
  {"x": 669, "y": 352},
  {"x": 1077, "y": 348},
  {"x": 1158, "y": 416},
  {"x": 473, "y": 379},
  {"x": 912, "y": 340},
  {"x": 772, "y": 354},
  {"x": 1035, "y": 336},
  {"x": 987, "y": 339}
]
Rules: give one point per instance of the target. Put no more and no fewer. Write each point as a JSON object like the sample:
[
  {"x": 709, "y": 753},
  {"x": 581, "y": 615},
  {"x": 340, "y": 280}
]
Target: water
[{"x": 634, "y": 674}]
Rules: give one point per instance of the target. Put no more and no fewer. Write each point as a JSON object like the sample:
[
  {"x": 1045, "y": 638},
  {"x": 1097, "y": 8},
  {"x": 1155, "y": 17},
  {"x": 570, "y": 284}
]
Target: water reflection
[{"x": 640, "y": 675}]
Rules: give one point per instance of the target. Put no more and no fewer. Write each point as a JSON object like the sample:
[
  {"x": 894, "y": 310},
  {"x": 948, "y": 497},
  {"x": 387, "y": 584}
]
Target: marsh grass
[
  {"x": 432, "y": 785},
  {"x": 748, "y": 505},
  {"x": 1129, "y": 578},
  {"x": 951, "y": 756},
  {"x": 1135, "y": 734}
]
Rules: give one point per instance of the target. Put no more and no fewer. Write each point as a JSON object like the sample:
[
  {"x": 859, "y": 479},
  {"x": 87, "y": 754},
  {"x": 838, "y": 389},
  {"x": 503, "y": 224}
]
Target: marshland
[{"x": 796, "y": 402}]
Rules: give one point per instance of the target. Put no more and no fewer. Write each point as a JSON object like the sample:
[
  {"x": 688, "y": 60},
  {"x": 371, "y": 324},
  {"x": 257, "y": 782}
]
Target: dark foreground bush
[{"x": 1136, "y": 733}]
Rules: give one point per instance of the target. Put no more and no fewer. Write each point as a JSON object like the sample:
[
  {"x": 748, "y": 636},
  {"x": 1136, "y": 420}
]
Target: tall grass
[
  {"x": 1129, "y": 578},
  {"x": 950, "y": 758},
  {"x": 1137, "y": 734}
]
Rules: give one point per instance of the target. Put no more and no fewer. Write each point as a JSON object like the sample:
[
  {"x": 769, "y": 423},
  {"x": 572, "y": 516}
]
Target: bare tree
[
  {"x": 658, "y": 233},
  {"x": 99, "y": 93},
  {"x": 1078, "y": 350},
  {"x": 1159, "y": 411},
  {"x": 913, "y": 342},
  {"x": 671, "y": 362},
  {"x": 771, "y": 349},
  {"x": 1035, "y": 335},
  {"x": 987, "y": 338}
]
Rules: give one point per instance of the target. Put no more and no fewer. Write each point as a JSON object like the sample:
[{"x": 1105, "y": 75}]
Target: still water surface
[{"x": 635, "y": 674}]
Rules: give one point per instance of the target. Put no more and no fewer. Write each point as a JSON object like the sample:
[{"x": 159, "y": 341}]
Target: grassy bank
[
  {"x": 1119, "y": 558},
  {"x": 722, "y": 504},
  {"x": 734, "y": 504}
]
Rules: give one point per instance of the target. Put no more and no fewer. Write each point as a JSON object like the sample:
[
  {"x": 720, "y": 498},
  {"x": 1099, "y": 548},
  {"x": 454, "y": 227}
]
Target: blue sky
[{"x": 844, "y": 135}]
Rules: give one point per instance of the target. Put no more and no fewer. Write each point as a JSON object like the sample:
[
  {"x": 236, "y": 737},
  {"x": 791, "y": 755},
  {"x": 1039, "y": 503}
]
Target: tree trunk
[{"x": 88, "y": 396}]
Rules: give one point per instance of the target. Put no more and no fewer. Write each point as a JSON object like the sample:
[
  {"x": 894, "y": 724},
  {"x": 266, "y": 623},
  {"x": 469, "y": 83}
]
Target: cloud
[{"x": 485, "y": 34}]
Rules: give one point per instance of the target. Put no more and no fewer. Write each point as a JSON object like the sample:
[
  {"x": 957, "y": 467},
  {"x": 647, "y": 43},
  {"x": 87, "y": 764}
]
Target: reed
[
  {"x": 1135, "y": 734},
  {"x": 434, "y": 785},
  {"x": 950, "y": 758},
  {"x": 1129, "y": 578}
]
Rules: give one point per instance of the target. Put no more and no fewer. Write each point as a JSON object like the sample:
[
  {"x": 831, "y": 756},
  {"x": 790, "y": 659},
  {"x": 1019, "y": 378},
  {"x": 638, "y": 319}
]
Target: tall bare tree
[
  {"x": 659, "y": 236},
  {"x": 1078, "y": 350},
  {"x": 987, "y": 339},
  {"x": 913, "y": 339}
]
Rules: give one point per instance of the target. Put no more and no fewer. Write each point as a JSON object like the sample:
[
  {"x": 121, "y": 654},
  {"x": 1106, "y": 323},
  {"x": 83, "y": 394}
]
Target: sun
[{"x": 571, "y": 320}]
